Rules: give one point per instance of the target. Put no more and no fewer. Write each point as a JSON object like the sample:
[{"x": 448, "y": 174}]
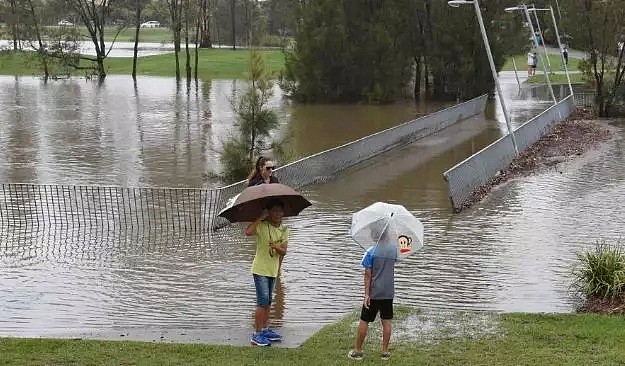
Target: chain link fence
[
  {"x": 146, "y": 211},
  {"x": 479, "y": 168},
  {"x": 323, "y": 166},
  {"x": 106, "y": 208}
]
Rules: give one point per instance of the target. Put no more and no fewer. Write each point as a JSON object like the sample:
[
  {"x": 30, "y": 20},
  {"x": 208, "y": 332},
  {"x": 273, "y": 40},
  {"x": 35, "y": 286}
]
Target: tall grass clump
[{"x": 600, "y": 273}]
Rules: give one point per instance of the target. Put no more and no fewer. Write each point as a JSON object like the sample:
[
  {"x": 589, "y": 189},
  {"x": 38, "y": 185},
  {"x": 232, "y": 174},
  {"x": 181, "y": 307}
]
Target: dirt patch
[
  {"x": 573, "y": 137},
  {"x": 603, "y": 306}
]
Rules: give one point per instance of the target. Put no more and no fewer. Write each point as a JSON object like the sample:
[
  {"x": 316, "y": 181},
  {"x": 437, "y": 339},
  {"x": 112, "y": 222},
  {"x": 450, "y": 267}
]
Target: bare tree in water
[
  {"x": 94, "y": 14},
  {"x": 175, "y": 14}
]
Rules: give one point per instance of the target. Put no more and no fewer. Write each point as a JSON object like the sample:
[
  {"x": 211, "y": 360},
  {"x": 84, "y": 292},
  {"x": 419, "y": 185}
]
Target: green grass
[
  {"x": 158, "y": 35},
  {"x": 521, "y": 339},
  {"x": 556, "y": 63},
  {"x": 539, "y": 78},
  {"x": 214, "y": 64}
]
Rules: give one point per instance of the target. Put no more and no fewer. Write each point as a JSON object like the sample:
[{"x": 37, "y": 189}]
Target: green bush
[{"x": 601, "y": 272}]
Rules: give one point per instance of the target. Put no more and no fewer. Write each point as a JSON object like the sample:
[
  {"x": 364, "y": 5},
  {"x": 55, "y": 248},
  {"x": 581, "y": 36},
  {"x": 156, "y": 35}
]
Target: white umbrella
[{"x": 392, "y": 229}]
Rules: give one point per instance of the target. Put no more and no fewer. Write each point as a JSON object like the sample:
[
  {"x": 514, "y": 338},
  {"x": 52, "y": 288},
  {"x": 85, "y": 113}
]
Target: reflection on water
[
  {"x": 77, "y": 132},
  {"x": 512, "y": 252}
]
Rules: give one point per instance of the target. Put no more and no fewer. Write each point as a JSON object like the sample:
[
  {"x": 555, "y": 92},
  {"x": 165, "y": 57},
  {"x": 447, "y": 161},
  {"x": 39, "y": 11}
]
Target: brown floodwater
[{"x": 511, "y": 252}]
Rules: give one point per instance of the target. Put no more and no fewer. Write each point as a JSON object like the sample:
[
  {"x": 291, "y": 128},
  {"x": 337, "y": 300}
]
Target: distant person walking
[
  {"x": 262, "y": 173},
  {"x": 565, "y": 54},
  {"x": 531, "y": 63}
]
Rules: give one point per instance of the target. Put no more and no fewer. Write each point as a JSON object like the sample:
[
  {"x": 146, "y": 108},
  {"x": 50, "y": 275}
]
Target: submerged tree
[
  {"x": 255, "y": 122},
  {"x": 94, "y": 15}
]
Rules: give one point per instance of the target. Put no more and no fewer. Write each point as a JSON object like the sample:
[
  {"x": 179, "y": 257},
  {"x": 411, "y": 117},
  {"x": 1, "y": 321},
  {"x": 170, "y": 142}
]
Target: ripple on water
[{"x": 512, "y": 252}]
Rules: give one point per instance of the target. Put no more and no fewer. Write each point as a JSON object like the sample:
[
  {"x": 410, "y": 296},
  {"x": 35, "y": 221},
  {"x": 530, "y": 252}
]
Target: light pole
[
  {"x": 555, "y": 26},
  {"x": 456, "y": 3},
  {"x": 516, "y": 73},
  {"x": 533, "y": 35},
  {"x": 542, "y": 37}
]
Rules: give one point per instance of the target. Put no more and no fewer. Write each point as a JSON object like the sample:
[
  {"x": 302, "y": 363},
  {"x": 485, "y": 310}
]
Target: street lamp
[
  {"x": 457, "y": 3},
  {"x": 555, "y": 26},
  {"x": 533, "y": 34},
  {"x": 542, "y": 37}
]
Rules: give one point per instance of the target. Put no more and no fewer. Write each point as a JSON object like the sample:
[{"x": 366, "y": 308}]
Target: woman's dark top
[{"x": 257, "y": 179}]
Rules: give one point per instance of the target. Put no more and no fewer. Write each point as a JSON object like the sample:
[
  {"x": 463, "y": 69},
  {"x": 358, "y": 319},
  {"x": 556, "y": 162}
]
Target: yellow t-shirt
[{"x": 264, "y": 264}]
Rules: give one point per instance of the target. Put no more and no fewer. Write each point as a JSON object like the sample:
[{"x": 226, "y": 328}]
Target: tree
[
  {"x": 205, "y": 9},
  {"x": 41, "y": 49},
  {"x": 597, "y": 30},
  {"x": 139, "y": 5},
  {"x": 233, "y": 14},
  {"x": 175, "y": 12},
  {"x": 371, "y": 50},
  {"x": 255, "y": 122},
  {"x": 94, "y": 15}
]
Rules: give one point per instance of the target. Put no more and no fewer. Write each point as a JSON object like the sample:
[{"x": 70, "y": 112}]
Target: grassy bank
[
  {"x": 519, "y": 339},
  {"x": 214, "y": 64},
  {"x": 539, "y": 78},
  {"x": 555, "y": 60},
  {"x": 158, "y": 35}
]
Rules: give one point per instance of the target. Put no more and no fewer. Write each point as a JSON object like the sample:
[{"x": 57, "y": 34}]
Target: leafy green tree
[
  {"x": 371, "y": 50},
  {"x": 255, "y": 122},
  {"x": 596, "y": 27}
]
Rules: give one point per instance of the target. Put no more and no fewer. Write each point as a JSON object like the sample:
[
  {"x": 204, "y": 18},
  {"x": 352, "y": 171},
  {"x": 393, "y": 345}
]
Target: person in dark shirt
[{"x": 262, "y": 173}]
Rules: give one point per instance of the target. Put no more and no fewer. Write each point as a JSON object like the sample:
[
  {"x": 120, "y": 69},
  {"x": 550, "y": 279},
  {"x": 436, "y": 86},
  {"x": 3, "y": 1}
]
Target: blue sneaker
[
  {"x": 260, "y": 340},
  {"x": 271, "y": 335}
]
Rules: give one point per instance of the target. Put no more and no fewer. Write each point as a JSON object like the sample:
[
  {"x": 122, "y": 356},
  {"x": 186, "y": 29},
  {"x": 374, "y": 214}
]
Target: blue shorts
[{"x": 264, "y": 289}]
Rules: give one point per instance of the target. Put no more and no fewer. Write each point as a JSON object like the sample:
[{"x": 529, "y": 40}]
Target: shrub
[{"x": 601, "y": 272}]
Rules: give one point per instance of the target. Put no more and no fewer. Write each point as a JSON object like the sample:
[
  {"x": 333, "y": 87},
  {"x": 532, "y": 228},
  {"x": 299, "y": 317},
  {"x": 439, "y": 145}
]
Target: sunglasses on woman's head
[{"x": 270, "y": 167}]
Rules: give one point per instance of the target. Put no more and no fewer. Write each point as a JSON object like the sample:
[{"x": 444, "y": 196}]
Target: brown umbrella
[{"x": 250, "y": 203}]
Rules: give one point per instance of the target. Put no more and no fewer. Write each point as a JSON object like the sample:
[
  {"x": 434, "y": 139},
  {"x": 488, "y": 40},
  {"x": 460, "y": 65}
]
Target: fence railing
[
  {"x": 479, "y": 168},
  {"x": 194, "y": 210},
  {"x": 325, "y": 165},
  {"x": 107, "y": 207}
]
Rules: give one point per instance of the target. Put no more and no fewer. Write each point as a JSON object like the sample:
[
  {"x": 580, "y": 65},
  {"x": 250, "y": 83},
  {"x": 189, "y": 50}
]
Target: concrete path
[{"x": 294, "y": 335}]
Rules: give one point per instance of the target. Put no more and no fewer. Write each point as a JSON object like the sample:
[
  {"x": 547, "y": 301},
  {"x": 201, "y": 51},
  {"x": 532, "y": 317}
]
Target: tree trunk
[
  {"x": 186, "y": 41},
  {"x": 197, "y": 44},
  {"x": 233, "y": 5},
  {"x": 100, "y": 51},
  {"x": 248, "y": 28},
  {"x": 101, "y": 71},
  {"x": 417, "y": 78},
  {"x": 15, "y": 21},
  {"x": 136, "y": 46},
  {"x": 204, "y": 24},
  {"x": 426, "y": 76},
  {"x": 176, "y": 56},
  {"x": 41, "y": 51}
]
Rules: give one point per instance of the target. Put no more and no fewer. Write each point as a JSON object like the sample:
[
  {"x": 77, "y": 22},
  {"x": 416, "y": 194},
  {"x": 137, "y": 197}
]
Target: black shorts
[{"x": 385, "y": 307}]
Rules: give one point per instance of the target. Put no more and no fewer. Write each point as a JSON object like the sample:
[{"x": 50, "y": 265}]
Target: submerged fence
[
  {"x": 479, "y": 168},
  {"x": 325, "y": 165},
  {"x": 107, "y": 207},
  {"x": 194, "y": 210}
]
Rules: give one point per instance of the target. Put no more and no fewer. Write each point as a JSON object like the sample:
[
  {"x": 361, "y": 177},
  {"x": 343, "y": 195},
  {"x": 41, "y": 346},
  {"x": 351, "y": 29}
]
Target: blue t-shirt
[{"x": 382, "y": 274}]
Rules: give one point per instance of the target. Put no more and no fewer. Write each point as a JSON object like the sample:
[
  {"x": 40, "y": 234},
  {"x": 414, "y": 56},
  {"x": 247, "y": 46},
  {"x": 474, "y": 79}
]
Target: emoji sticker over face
[{"x": 405, "y": 244}]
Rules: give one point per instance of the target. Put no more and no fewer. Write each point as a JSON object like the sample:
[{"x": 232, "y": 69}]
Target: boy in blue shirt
[{"x": 379, "y": 263}]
